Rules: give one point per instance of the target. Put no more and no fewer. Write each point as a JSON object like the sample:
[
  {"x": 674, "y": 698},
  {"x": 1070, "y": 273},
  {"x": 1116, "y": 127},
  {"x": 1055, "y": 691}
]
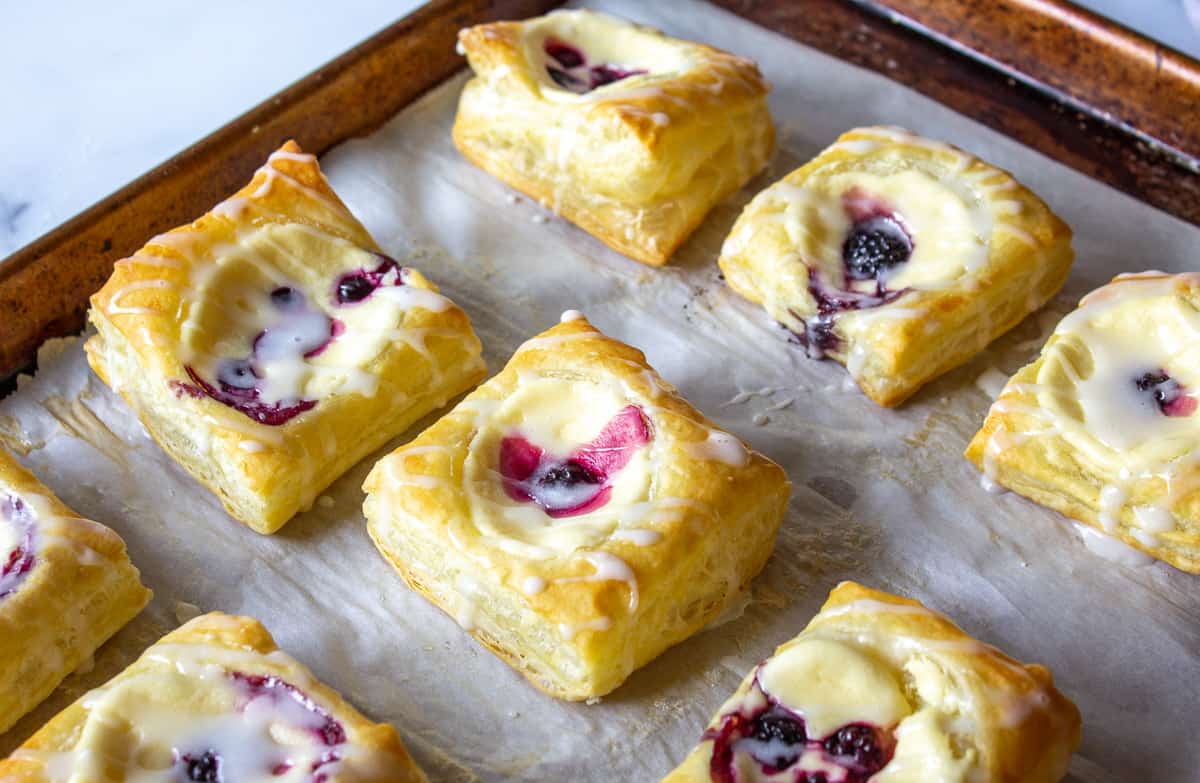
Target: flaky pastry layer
[
  {"x": 983, "y": 252},
  {"x": 638, "y": 162},
  {"x": 68, "y": 589},
  {"x": 215, "y": 697},
  {"x": 579, "y": 600},
  {"x": 392, "y": 355},
  {"x": 1103, "y": 426},
  {"x": 937, "y": 705}
]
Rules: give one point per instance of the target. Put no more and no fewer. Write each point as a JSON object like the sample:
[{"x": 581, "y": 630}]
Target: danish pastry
[
  {"x": 897, "y": 256},
  {"x": 1103, "y": 426},
  {"x": 575, "y": 514},
  {"x": 66, "y": 585},
  {"x": 213, "y": 701},
  {"x": 880, "y": 688},
  {"x": 270, "y": 345},
  {"x": 631, "y": 135}
]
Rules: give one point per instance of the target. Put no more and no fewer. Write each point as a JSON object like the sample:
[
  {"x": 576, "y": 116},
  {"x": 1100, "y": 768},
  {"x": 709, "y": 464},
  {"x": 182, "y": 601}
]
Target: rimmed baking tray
[
  {"x": 882, "y": 497},
  {"x": 1099, "y": 98}
]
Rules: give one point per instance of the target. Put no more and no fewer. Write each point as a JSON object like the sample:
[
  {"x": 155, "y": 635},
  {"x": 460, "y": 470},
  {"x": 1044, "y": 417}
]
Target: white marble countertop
[{"x": 99, "y": 95}]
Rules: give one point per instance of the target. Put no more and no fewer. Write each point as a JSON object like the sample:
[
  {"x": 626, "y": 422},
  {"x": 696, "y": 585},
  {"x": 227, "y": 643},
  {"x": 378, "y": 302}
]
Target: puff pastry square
[
  {"x": 214, "y": 701},
  {"x": 575, "y": 514},
  {"x": 898, "y": 256},
  {"x": 270, "y": 345},
  {"x": 66, "y": 585},
  {"x": 1103, "y": 427},
  {"x": 631, "y": 135},
  {"x": 879, "y": 688}
]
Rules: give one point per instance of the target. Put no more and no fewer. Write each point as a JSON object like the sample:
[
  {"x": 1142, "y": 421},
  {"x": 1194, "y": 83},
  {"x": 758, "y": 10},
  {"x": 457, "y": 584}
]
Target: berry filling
[
  {"x": 579, "y": 482},
  {"x": 356, "y": 286},
  {"x": 301, "y": 331},
  {"x": 20, "y": 560},
  {"x": 279, "y": 694},
  {"x": 293, "y": 707},
  {"x": 877, "y": 242},
  {"x": 205, "y": 768},
  {"x": 875, "y": 246},
  {"x": 1169, "y": 394},
  {"x": 777, "y": 740},
  {"x": 857, "y": 745},
  {"x": 569, "y": 68}
]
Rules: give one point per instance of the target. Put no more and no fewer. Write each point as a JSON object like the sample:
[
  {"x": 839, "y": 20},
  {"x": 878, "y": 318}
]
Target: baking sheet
[{"x": 882, "y": 497}]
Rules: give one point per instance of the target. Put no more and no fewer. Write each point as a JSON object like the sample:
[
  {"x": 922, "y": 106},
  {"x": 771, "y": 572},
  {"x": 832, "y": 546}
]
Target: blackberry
[{"x": 874, "y": 247}]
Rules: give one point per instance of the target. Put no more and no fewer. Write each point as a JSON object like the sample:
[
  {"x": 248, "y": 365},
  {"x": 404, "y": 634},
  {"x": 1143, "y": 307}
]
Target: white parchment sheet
[{"x": 883, "y": 497}]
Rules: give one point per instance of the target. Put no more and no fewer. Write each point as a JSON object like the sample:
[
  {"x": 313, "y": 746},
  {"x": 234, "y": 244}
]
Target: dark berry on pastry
[
  {"x": 782, "y": 735},
  {"x": 1169, "y": 394},
  {"x": 287, "y": 298},
  {"x": 205, "y": 768},
  {"x": 857, "y": 745},
  {"x": 607, "y": 74},
  {"x": 564, "y": 54},
  {"x": 875, "y": 246},
  {"x": 354, "y": 289},
  {"x": 570, "y": 69},
  {"x": 20, "y": 560},
  {"x": 580, "y": 482},
  {"x": 356, "y": 286},
  {"x": 256, "y": 686}
]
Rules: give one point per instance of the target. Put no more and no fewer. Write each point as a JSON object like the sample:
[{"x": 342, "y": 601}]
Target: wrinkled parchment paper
[{"x": 882, "y": 497}]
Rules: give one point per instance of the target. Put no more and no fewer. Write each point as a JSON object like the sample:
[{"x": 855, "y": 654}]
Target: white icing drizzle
[
  {"x": 637, "y": 536},
  {"x": 266, "y": 249},
  {"x": 523, "y": 529},
  {"x": 990, "y": 485},
  {"x": 1086, "y": 395},
  {"x": 1112, "y": 500},
  {"x": 1016, "y": 704},
  {"x": 259, "y": 734},
  {"x": 48, "y": 530},
  {"x": 533, "y": 585},
  {"x": 720, "y": 447},
  {"x": 1110, "y": 548},
  {"x": 991, "y": 382},
  {"x": 116, "y": 308},
  {"x": 744, "y": 396},
  {"x": 659, "y": 97},
  {"x": 570, "y": 631},
  {"x": 609, "y": 568},
  {"x": 795, "y": 231}
]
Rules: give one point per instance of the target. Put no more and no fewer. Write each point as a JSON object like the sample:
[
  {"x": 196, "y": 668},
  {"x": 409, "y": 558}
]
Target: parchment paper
[{"x": 882, "y": 497}]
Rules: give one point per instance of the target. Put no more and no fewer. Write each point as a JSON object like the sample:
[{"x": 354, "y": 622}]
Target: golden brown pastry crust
[
  {"x": 656, "y": 565},
  {"x": 79, "y": 592},
  {"x": 637, "y": 163},
  {"x": 1021, "y": 728},
  {"x": 373, "y": 751},
  {"x": 1039, "y": 442},
  {"x": 976, "y": 270},
  {"x": 170, "y": 295}
]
